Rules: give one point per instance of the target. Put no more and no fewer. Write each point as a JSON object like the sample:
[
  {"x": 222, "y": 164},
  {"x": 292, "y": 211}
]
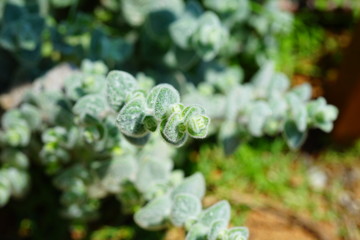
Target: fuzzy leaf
[
  {"x": 303, "y": 91},
  {"x": 152, "y": 173},
  {"x": 31, "y": 115},
  {"x": 173, "y": 130},
  {"x": 191, "y": 111},
  {"x": 197, "y": 231},
  {"x": 113, "y": 173},
  {"x": 161, "y": 98},
  {"x": 197, "y": 126},
  {"x": 217, "y": 212},
  {"x": 259, "y": 112},
  {"x": 150, "y": 123},
  {"x": 119, "y": 86},
  {"x": 90, "y": 105},
  {"x": 216, "y": 228},
  {"x": 11, "y": 118},
  {"x": 194, "y": 185},
  {"x": 298, "y": 111},
  {"x": 18, "y": 135},
  {"x": 182, "y": 30},
  {"x": 237, "y": 233},
  {"x": 154, "y": 214},
  {"x": 138, "y": 141},
  {"x": 293, "y": 136},
  {"x": 185, "y": 207},
  {"x": 130, "y": 118},
  {"x": 209, "y": 37}
]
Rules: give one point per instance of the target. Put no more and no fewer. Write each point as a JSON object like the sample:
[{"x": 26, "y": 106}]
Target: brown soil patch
[{"x": 267, "y": 226}]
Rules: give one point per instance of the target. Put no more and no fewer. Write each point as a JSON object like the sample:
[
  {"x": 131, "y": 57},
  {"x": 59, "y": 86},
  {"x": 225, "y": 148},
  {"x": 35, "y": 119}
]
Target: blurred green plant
[
  {"x": 266, "y": 105},
  {"x": 75, "y": 137},
  {"x": 268, "y": 172}
]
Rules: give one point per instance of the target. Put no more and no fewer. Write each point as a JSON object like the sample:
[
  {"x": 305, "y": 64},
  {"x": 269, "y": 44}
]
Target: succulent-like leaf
[
  {"x": 194, "y": 185},
  {"x": 154, "y": 214},
  {"x": 138, "y": 141},
  {"x": 114, "y": 172},
  {"x": 293, "y": 136},
  {"x": 262, "y": 79},
  {"x": 14, "y": 158},
  {"x": 18, "y": 135},
  {"x": 216, "y": 228},
  {"x": 259, "y": 112},
  {"x": 19, "y": 181},
  {"x": 11, "y": 118},
  {"x": 192, "y": 110},
  {"x": 197, "y": 126},
  {"x": 237, "y": 233},
  {"x": 31, "y": 115},
  {"x": 217, "y": 212},
  {"x": 322, "y": 115},
  {"x": 173, "y": 130},
  {"x": 130, "y": 119},
  {"x": 152, "y": 173},
  {"x": 119, "y": 86},
  {"x": 303, "y": 91},
  {"x": 136, "y": 11},
  {"x": 150, "y": 123},
  {"x": 197, "y": 231},
  {"x": 298, "y": 111},
  {"x": 278, "y": 85},
  {"x": 184, "y": 207},
  {"x": 229, "y": 136},
  {"x": 90, "y": 105},
  {"x": 209, "y": 37},
  {"x": 182, "y": 30},
  {"x": 161, "y": 98}
]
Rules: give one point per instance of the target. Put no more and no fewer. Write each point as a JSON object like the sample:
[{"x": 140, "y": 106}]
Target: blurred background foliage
[
  {"x": 37, "y": 34},
  {"x": 304, "y": 38}
]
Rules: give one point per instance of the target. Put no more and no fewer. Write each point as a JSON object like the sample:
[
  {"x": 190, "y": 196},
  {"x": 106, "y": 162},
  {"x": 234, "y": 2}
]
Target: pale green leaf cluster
[
  {"x": 83, "y": 137},
  {"x": 140, "y": 113},
  {"x": 266, "y": 105}
]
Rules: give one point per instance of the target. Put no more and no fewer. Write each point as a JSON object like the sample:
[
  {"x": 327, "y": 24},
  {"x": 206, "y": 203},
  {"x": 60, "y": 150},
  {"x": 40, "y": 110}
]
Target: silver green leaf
[
  {"x": 197, "y": 231},
  {"x": 185, "y": 206},
  {"x": 194, "y": 185},
  {"x": 153, "y": 216},
  {"x": 119, "y": 86},
  {"x": 151, "y": 174},
  {"x": 161, "y": 98},
  {"x": 130, "y": 119},
  {"x": 173, "y": 130},
  {"x": 216, "y": 228},
  {"x": 210, "y": 36},
  {"x": 197, "y": 126},
  {"x": 293, "y": 136},
  {"x": 90, "y": 105},
  {"x": 237, "y": 233},
  {"x": 217, "y": 212}
]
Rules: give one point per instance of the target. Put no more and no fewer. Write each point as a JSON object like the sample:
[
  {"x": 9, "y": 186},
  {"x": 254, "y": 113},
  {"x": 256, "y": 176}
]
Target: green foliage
[
  {"x": 101, "y": 135},
  {"x": 84, "y": 139},
  {"x": 142, "y": 113},
  {"x": 264, "y": 106}
]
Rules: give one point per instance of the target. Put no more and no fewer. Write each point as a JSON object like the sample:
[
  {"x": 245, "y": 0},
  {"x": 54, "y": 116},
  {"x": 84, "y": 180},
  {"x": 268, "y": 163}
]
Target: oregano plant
[{"x": 109, "y": 134}]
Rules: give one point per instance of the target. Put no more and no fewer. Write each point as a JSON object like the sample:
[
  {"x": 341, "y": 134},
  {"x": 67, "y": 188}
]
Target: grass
[{"x": 264, "y": 170}]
